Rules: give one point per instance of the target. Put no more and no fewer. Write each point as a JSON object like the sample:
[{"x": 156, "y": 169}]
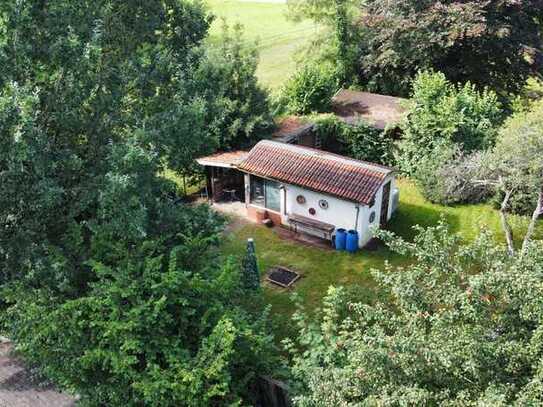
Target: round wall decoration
[
  {"x": 300, "y": 199},
  {"x": 312, "y": 211},
  {"x": 372, "y": 217},
  {"x": 323, "y": 203}
]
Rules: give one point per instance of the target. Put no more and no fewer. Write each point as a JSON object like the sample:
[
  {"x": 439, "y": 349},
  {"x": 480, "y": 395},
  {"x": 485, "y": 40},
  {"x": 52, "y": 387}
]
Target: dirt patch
[{"x": 19, "y": 388}]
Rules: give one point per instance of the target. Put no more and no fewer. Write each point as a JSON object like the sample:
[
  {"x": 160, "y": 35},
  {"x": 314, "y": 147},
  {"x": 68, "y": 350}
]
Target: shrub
[
  {"x": 360, "y": 140},
  {"x": 310, "y": 89},
  {"x": 522, "y": 202},
  {"x": 447, "y": 177},
  {"x": 444, "y": 125},
  {"x": 440, "y": 112}
]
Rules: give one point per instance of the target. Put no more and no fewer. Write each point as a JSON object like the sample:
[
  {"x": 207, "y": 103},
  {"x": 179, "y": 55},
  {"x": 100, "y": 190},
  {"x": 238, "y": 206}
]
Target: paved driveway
[{"x": 18, "y": 390}]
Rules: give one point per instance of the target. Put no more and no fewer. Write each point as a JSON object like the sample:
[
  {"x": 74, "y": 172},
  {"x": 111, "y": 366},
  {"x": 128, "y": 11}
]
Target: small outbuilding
[
  {"x": 310, "y": 190},
  {"x": 380, "y": 111}
]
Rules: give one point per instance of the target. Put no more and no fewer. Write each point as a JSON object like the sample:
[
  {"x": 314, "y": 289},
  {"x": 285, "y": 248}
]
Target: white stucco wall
[{"x": 340, "y": 213}]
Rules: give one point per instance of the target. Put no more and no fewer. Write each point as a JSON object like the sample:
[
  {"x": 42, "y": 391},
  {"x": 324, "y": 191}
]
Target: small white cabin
[{"x": 309, "y": 190}]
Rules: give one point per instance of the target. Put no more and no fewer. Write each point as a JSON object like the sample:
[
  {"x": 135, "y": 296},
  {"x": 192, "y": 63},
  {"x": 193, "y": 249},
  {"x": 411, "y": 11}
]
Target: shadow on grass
[{"x": 409, "y": 215}]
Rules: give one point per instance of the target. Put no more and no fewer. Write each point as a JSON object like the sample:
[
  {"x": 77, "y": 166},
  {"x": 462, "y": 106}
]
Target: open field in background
[
  {"x": 265, "y": 21},
  {"x": 322, "y": 268}
]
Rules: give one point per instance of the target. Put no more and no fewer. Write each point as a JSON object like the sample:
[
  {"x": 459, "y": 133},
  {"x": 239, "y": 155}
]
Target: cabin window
[{"x": 265, "y": 193}]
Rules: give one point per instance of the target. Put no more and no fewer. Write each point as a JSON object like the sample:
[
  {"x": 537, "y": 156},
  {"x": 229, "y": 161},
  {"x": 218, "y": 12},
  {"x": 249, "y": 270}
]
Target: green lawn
[
  {"x": 322, "y": 268},
  {"x": 267, "y": 23}
]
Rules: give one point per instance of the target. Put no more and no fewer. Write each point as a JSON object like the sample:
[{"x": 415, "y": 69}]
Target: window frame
[{"x": 265, "y": 184}]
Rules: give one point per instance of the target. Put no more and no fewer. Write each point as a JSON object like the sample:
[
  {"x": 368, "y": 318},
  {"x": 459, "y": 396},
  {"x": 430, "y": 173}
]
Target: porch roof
[{"x": 228, "y": 159}]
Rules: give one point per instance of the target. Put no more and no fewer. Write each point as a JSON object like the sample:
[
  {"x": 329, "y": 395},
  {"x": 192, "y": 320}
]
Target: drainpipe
[
  {"x": 282, "y": 188},
  {"x": 357, "y": 215}
]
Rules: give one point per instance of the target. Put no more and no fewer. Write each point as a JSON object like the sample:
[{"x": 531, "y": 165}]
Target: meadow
[{"x": 266, "y": 23}]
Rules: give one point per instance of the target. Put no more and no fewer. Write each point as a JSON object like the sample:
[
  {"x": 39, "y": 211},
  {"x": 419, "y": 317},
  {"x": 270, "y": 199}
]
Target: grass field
[
  {"x": 322, "y": 268},
  {"x": 266, "y": 23}
]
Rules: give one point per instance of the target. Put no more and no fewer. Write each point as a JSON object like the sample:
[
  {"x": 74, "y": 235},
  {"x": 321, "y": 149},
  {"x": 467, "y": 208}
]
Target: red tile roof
[
  {"x": 227, "y": 159},
  {"x": 317, "y": 170},
  {"x": 379, "y": 110}
]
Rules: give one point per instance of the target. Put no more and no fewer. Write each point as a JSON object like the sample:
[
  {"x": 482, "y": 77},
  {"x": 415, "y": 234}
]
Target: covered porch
[{"x": 224, "y": 182}]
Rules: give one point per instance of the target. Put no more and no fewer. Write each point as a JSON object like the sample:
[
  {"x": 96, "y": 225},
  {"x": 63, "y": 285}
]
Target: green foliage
[
  {"x": 515, "y": 163},
  {"x": 238, "y": 109},
  {"x": 358, "y": 140},
  {"x": 442, "y": 121},
  {"x": 339, "y": 44},
  {"x": 462, "y": 326},
  {"x": 309, "y": 90},
  {"x": 108, "y": 286},
  {"x": 249, "y": 269},
  {"x": 86, "y": 125},
  {"x": 148, "y": 331},
  {"x": 488, "y": 43},
  {"x": 531, "y": 93}
]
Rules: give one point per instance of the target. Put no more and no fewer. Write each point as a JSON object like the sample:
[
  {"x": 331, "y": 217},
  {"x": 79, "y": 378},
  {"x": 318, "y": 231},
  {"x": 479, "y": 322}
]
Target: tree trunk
[
  {"x": 505, "y": 224},
  {"x": 531, "y": 227}
]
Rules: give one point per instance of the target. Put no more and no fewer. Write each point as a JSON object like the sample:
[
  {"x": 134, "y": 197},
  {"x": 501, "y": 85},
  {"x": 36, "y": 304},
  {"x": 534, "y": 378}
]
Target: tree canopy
[
  {"x": 110, "y": 287},
  {"x": 493, "y": 44},
  {"x": 461, "y": 325}
]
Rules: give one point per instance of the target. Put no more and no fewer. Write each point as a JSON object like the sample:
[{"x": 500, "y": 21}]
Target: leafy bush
[
  {"x": 522, "y": 202},
  {"x": 440, "y": 112},
  {"x": 445, "y": 335},
  {"x": 445, "y": 121},
  {"x": 147, "y": 332},
  {"x": 309, "y": 90},
  {"x": 359, "y": 140},
  {"x": 447, "y": 176}
]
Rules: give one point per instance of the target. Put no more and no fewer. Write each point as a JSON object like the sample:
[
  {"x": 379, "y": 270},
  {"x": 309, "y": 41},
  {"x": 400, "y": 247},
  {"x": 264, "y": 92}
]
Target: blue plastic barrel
[
  {"x": 341, "y": 236},
  {"x": 352, "y": 241}
]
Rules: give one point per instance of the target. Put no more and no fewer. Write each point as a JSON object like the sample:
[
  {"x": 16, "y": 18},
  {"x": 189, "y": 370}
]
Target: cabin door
[{"x": 385, "y": 204}]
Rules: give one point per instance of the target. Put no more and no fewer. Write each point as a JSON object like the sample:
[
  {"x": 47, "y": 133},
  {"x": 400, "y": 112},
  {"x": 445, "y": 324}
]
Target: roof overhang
[{"x": 229, "y": 159}]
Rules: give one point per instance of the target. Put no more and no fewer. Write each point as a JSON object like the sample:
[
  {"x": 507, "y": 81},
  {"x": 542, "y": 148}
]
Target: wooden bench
[{"x": 325, "y": 229}]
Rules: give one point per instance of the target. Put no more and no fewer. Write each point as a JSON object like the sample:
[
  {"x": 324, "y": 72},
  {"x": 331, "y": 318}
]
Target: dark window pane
[{"x": 257, "y": 191}]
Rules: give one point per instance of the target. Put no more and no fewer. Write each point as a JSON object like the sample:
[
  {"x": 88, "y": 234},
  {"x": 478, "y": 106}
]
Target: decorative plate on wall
[
  {"x": 372, "y": 217},
  {"x": 323, "y": 203},
  {"x": 312, "y": 211},
  {"x": 300, "y": 199}
]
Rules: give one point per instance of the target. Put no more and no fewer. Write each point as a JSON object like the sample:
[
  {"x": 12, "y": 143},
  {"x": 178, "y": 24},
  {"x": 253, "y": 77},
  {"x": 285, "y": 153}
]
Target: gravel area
[{"x": 19, "y": 389}]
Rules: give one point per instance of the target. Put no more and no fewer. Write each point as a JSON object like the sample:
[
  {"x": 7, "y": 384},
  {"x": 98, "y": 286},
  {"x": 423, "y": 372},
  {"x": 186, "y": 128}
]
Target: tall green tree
[
  {"x": 341, "y": 47},
  {"x": 238, "y": 113},
  {"x": 92, "y": 98},
  {"x": 493, "y": 44},
  {"x": 514, "y": 168},
  {"x": 489, "y": 43},
  {"x": 108, "y": 287},
  {"x": 444, "y": 120},
  {"x": 461, "y": 325}
]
